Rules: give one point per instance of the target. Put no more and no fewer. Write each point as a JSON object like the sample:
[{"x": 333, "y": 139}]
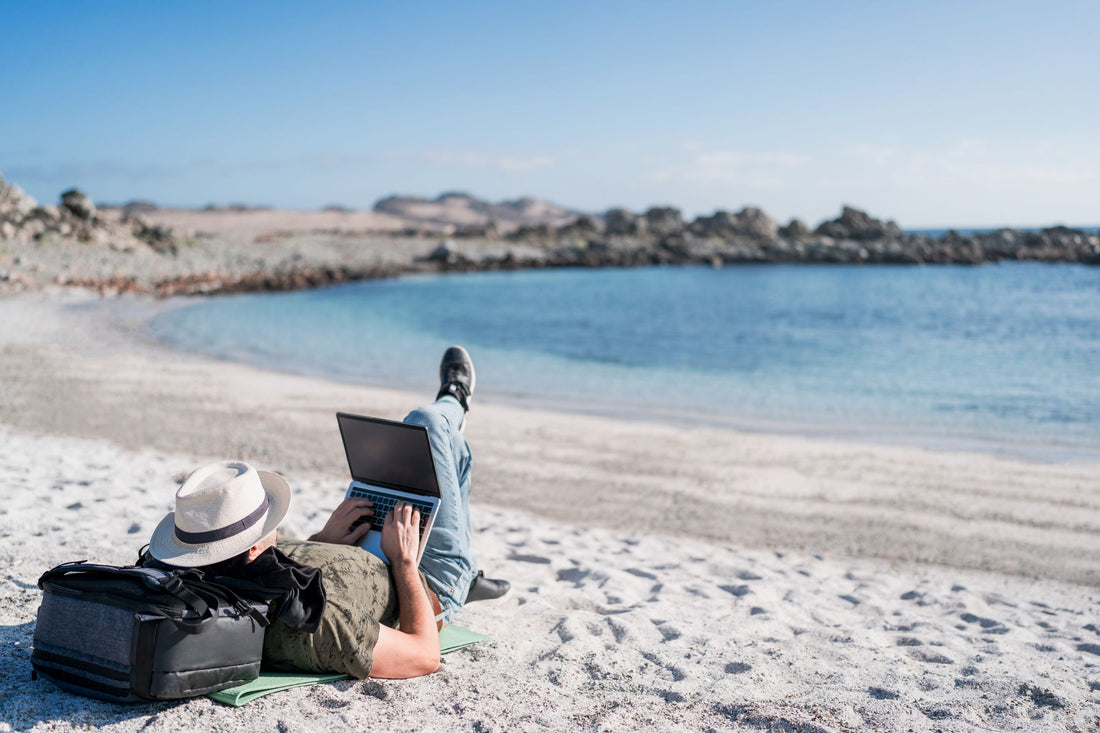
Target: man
[
  {"x": 225, "y": 522},
  {"x": 448, "y": 561}
]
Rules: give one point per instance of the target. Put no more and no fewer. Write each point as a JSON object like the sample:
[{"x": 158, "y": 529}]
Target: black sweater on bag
[{"x": 294, "y": 591}]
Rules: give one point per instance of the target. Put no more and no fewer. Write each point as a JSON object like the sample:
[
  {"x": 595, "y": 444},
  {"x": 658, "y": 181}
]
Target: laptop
[{"x": 390, "y": 462}]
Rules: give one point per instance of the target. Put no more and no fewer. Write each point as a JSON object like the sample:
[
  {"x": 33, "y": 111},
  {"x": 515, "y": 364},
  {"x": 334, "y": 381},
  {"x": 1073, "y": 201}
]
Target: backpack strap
[
  {"x": 173, "y": 585},
  {"x": 64, "y": 569},
  {"x": 239, "y": 604},
  {"x": 185, "y": 585}
]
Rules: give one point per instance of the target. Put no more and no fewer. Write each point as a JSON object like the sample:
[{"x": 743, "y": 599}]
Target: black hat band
[{"x": 202, "y": 538}]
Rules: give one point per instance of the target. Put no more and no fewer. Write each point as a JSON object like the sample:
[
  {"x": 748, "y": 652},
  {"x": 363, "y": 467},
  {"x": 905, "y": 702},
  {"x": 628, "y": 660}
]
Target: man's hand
[
  {"x": 414, "y": 649},
  {"x": 401, "y": 534},
  {"x": 341, "y": 528}
]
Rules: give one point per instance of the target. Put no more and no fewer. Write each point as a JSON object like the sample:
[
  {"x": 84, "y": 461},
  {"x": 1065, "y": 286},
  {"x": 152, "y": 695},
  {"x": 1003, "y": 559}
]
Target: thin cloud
[
  {"x": 877, "y": 155},
  {"x": 985, "y": 165},
  {"x": 758, "y": 169},
  {"x": 448, "y": 157},
  {"x": 523, "y": 165},
  {"x": 73, "y": 173},
  {"x": 338, "y": 161},
  {"x": 471, "y": 158}
]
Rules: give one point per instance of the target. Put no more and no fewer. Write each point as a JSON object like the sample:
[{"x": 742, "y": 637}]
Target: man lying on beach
[{"x": 364, "y": 619}]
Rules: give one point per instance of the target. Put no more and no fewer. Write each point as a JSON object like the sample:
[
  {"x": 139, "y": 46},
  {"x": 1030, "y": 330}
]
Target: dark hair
[{"x": 231, "y": 567}]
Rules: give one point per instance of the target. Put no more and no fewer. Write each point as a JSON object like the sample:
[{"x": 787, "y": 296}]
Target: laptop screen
[{"x": 388, "y": 453}]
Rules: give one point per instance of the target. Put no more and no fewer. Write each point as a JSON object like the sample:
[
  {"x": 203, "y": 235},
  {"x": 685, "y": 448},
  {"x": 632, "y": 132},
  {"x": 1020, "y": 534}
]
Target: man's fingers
[
  {"x": 408, "y": 513},
  {"x": 358, "y": 533},
  {"x": 358, "y": 519},
  {"x": 352, "y": 503}
]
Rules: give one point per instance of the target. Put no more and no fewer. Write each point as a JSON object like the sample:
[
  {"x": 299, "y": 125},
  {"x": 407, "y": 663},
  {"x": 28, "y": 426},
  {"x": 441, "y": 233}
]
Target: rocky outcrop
[
  {"x": 618, "y": 238},
  {"x": 622, "y": 223},
  {"x": 750, "y": 235},
  {"x": 857, "y": 226},
  {"x": 235, "y": 208},
  {"x": 663, "y": 221},
  {"x": 138, "y": 208},
  {"x": 160, "y": 238},
  {"x": 445, "y": 253},
  {"x": 457, "y": 209},
  {"x": 749, "y": 223},
  {"x": 14, "y": 203},
  {"x": 755, "y": 224},
  {"x": 1049, "y": 244},
  {"x": 78, "y": 204},
  {"x": 795, "y": 230},
  {"x": 541, "y": 233},
  {"x": 78, "y": 218},
  {"x": 581, "y": 227}
]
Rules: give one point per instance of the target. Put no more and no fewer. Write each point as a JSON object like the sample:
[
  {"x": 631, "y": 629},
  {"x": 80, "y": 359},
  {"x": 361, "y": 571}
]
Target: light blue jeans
[{"x": 448, "y": 560}]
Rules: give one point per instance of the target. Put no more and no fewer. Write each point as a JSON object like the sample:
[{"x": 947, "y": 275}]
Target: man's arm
[
  {"x": 341, "y": 527},
  {"x": 414, "y": 650}
]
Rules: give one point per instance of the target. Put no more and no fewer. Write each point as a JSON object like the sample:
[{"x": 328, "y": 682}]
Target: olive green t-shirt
[{"x": 360, "y": 595}]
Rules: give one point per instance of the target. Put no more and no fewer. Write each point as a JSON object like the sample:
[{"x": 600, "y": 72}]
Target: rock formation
[
  {"x": 662, "y": 221},
  {"x": 460, "y": 210},
  {"x": 617, "y": 238},
  {"x": 78, "y": 204},
  {"x": 583, "y": 226},
  {"x": 76, "y": 217},
  {"x": 445, "y": 253},
  {"x": 795, "y": 230},
  {"x": 857, "y": 226},
  {"x": 137, "y": 208},
  {"x": 659, "y": 236},
  {"x": 749, "y": 223},
  {"x": 623, "y": 223},
  {"x": 15, "y": 206}
]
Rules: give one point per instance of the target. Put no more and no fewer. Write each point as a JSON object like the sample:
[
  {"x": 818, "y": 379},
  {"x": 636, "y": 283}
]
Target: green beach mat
[{"x": 451, "y": 638}]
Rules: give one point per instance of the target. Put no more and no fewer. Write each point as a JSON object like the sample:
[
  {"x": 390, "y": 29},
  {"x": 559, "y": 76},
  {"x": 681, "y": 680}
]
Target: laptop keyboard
[{"x": 383, "y": 504}]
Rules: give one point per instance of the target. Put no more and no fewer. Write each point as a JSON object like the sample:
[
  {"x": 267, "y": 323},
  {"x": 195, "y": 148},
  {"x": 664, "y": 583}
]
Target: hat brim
[{"x": 166, "y": 547}]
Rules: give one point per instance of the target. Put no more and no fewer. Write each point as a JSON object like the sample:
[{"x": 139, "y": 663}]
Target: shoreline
[
  {"x": 197, "y": 403},
  {"x": 329, "y": 263},
  {"x": 1039, "y": 447},
  {"x": 209, "y": 252}
]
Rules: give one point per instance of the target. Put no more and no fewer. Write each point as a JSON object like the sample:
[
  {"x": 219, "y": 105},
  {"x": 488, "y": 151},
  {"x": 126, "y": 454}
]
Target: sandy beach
[{"x": 664, "y": 577}]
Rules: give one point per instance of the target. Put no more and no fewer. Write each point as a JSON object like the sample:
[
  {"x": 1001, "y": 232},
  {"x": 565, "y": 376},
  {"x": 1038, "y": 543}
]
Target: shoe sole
[{"x": 470, "y": 362}]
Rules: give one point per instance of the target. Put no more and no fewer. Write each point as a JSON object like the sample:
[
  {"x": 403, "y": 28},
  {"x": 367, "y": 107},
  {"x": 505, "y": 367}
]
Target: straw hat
[{"x": 222, "y": 509}]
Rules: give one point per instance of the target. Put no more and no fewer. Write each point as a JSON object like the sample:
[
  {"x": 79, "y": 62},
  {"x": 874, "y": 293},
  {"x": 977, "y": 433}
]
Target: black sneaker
[
  {"x": 486, "y": 589},
  {"x": 456, "y": 376}
]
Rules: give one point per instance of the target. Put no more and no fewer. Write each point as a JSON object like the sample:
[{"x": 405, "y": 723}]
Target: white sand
[{"x": 663, "y": 577}]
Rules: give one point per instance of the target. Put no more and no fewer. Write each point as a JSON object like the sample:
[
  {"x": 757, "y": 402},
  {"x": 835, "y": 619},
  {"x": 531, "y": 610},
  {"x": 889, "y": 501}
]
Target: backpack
[{"x": 127, "y": 634}]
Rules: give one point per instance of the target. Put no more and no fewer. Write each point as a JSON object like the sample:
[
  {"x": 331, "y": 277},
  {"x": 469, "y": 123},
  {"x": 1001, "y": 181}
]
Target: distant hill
[{"x": 461, "y": 209}]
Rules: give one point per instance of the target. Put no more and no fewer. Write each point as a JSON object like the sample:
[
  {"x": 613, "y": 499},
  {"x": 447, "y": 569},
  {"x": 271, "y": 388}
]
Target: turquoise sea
[{"x": 1004, "y": 358}]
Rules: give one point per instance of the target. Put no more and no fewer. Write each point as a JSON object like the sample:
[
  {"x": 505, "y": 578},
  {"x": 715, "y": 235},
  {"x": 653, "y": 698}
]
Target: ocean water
[
  {"x": 1002, "y": 357},
  {"x": 939, "y": 233}
]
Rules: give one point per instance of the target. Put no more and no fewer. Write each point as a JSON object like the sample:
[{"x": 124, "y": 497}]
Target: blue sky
[{"x": 934, "y": 114}]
